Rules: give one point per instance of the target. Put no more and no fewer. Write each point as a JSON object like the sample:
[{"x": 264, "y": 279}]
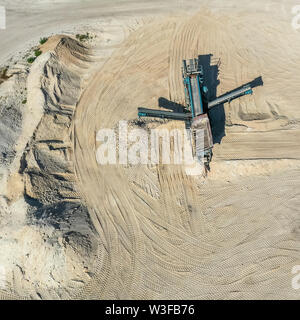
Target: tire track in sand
[{"x": 158, "y": 247}]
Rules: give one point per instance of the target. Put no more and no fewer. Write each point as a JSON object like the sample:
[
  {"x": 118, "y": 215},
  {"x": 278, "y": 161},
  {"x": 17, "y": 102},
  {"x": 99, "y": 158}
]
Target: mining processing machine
[{"x": 195, "y": 113}]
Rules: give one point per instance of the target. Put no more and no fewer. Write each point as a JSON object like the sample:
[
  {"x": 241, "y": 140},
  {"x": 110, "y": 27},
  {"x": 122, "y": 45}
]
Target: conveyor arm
[
  {"x": 230, "y": 96},
  {"x": 143, "y": 112}
]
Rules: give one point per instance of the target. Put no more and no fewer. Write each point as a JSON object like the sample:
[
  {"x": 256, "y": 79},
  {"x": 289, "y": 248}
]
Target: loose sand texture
[{"x": 71, "y": 228}]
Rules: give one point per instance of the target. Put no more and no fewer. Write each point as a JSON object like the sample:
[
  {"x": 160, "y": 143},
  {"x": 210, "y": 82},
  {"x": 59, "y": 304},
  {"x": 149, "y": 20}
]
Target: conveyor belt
[
  {"x": 196, "y": 96},
  {"x": 230, "y": 96},
  {"x": 144, "y": 112}
]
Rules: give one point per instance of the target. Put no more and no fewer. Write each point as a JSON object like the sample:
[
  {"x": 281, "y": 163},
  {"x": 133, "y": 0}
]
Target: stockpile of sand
[{"x": 47, "y": 221}]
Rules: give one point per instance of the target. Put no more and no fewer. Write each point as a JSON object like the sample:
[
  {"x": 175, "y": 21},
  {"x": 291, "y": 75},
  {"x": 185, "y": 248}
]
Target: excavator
[{"x": 195, "y": 113}]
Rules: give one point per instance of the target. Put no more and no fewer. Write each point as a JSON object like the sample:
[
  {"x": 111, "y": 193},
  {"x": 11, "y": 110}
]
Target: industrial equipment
[{"x": 197, "y": 106}]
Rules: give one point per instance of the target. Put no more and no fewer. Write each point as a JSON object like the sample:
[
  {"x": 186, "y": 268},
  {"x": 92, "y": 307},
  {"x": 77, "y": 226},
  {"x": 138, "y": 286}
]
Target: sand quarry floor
[{"x": 157, "y": 232}]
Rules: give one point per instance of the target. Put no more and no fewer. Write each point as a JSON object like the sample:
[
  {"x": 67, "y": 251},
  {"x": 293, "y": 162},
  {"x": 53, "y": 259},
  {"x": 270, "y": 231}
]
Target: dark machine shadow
[
  {"x": 170, "y": 105},
  {"x": 216, "y": 115},
  {"x": 175, "y": 107}
]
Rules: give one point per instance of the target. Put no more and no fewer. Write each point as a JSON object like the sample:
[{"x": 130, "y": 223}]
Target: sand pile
[{"x": 56, "y": 244}]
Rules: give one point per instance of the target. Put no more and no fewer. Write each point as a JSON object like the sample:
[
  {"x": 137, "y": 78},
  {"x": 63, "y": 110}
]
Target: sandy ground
[{"x": 158, "y": 233}]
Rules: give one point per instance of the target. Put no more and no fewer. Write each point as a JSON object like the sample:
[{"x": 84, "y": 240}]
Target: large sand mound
[{"x": 38, "y": 194}]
